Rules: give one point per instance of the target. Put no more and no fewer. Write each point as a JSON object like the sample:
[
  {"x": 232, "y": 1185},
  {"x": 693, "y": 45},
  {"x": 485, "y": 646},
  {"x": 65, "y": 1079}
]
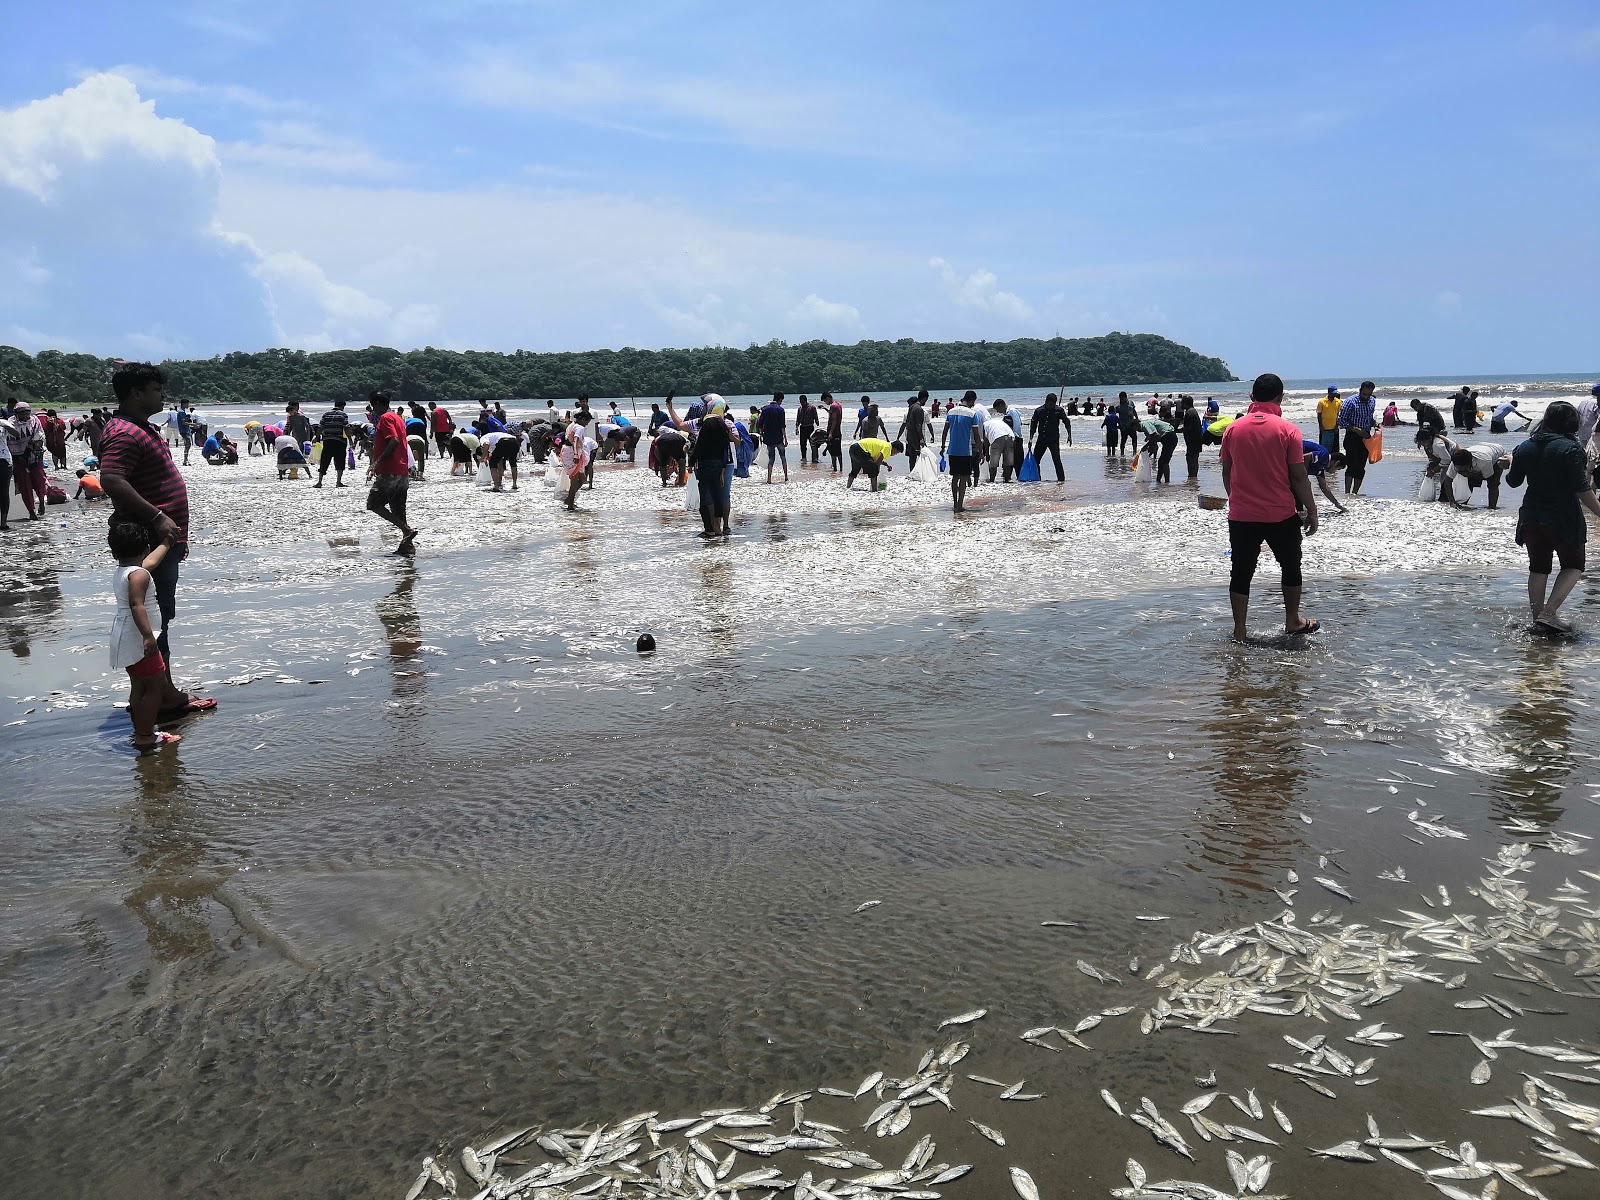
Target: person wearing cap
[
  {"x": 1328, "y": 419},
  {"x": 26, "y": 436}
]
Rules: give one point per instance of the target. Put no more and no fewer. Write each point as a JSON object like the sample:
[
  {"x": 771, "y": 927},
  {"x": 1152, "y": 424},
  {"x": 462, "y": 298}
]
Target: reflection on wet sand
[
  {"x": 1535, "y": 733},
  {"x": 402, "y": 630},
  {"x": 1248, "y": 834},
  {"x": 31, "y": 605},
  {"x": 174, "y": 897}
]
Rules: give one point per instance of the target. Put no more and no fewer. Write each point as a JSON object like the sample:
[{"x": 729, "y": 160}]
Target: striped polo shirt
[{"x": 137, "y": 452}]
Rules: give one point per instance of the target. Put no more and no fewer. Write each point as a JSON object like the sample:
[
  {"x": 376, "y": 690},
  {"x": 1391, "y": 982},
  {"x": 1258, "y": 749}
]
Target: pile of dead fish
[
  {"x": 698, "y": 1156},
  {"x": 1326, "y": 969}
]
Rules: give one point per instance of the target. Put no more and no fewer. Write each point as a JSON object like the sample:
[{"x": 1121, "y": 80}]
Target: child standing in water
[{"x": 133, "y": 642}]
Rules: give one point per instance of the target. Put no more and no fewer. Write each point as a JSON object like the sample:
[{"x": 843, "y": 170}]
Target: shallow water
[{"x": 451, "y": 858}]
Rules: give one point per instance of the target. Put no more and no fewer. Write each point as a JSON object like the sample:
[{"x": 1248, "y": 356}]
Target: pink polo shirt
[{"x": 1259, "y": 448}]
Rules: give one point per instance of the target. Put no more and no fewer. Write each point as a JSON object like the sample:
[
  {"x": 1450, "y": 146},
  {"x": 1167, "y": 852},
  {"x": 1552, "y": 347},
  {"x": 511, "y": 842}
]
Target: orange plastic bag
[{"x": 1375, "y": 447}]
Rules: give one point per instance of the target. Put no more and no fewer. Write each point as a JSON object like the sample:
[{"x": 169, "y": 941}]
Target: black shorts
[
  {"x": 389, "y": 490},
  {"x": 960, "y": 465},
  {"x": 1543, "y": 545},
  {"x": 505, "y": 451},
  {"x": 1245, "y": 539},
  {"x": 333, "y": 455}
]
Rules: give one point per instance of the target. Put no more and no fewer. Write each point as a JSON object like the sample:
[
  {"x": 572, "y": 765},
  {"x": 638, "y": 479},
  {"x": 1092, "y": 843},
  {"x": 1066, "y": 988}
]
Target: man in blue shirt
[
  {"x": 957, "y": 436},
  {"x": 1318, "y": 459},
  {"x": 1497, "y": 422},
  {"x": 1357, "y": 419},
  {"x": 772, "y": 423}
]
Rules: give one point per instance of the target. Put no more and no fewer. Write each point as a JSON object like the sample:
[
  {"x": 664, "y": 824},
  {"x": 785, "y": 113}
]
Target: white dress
[{"x": 127, "y": 643}]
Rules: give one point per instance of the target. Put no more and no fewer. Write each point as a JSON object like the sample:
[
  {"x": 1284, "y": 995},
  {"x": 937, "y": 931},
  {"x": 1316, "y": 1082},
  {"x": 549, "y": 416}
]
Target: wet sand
[{"x": 451, "y": 859}]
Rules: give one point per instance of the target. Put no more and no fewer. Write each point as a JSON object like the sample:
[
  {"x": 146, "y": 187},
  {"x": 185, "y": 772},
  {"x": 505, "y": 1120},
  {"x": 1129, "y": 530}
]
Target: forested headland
[{"x": 273, "y": 376}]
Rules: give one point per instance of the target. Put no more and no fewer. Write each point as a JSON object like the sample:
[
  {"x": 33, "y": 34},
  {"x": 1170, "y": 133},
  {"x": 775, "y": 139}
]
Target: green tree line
[{"x": 53, "y": 377}]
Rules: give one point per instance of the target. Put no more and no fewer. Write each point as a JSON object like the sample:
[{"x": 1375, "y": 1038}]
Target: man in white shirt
[
  {"x": 172, "y": 426},
  {"x": 1002, "y": 438},
  {"x": 1480, "y": 462}
]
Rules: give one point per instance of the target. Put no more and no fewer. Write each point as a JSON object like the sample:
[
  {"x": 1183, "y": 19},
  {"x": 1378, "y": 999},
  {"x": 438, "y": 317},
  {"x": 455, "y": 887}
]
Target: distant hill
[{"x": 272, "y": 376}]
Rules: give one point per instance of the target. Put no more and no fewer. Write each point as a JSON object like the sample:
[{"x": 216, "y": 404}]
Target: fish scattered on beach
[{"x": 1322, "y": 970}]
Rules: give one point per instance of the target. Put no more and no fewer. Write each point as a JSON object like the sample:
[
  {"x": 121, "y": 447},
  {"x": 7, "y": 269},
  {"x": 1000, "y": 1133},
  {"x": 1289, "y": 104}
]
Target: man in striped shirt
[
  {"x": 334, "y": 427},
  {"x": 145, "y": 485}
]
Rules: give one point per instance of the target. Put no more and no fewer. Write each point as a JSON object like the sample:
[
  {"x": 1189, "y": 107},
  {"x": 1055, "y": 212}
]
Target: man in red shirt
[
  {"x": 442, "y": 425},
  {"x": 145, "y": 485},
  {"x": 390, "y": 471},
  {"x": 1264, "y": 474}
]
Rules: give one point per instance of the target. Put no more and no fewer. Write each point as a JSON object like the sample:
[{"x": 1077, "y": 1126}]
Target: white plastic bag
[
  {"x": 484, "y": 478},
  {"x": 691, "y": 494},
  {"x": 1144, "y": 472},
  {"x": 1428, "y": 489},
  {"x": 927, "y": 468}
]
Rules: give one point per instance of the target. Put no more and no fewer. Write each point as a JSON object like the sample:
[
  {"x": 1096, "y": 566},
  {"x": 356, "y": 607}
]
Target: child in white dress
[{"x": 133, "y": 642}]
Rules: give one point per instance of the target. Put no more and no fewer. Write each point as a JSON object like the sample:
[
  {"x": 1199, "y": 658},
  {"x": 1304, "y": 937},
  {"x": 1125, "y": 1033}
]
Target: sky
[{"x": 1363, "y": 188}]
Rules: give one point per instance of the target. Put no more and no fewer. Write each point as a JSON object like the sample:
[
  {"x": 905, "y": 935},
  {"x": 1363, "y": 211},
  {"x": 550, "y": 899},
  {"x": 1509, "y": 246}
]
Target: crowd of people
[{"x": 1267, "y": 466}]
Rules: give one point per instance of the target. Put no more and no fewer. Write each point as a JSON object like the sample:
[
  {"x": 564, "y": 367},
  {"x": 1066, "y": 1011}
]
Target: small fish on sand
[
  {"x": 965, "y": 1018},
  {"x": 1023, "y": 1183},
  {"x": 861, "y": 908}
]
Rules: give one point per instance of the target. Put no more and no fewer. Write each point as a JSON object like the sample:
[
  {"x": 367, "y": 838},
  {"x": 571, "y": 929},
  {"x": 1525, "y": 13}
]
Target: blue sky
[{"x": 1381, "y": 189}]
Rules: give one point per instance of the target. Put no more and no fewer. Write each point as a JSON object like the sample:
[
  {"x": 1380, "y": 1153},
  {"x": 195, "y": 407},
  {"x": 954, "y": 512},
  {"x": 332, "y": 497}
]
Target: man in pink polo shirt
[{"x": 1264, "y": 474}]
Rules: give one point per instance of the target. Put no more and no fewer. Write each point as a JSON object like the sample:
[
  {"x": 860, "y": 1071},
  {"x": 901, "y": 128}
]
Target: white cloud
[
  {"x": 547, "y": 268},
  {"x": 108, "y": 226},
  {"x": 981, "y": 290},
  {"x": 1447, "y": 303},
  {"x": 151, "y": 82},
  {"x": 814, "y": 311},
  {"x": 302, "y": 146},
  {"x": 833, "y": 119}
]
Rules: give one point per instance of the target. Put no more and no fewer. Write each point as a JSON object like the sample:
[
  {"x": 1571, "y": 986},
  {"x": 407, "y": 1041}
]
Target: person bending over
[{"x": 1478, "y": 463}]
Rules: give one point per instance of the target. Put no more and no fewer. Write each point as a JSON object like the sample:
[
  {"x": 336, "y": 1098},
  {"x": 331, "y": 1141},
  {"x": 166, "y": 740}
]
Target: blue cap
[
  {"x": 1333, "y": 391},
  {"x": 1595, "y": 388}
]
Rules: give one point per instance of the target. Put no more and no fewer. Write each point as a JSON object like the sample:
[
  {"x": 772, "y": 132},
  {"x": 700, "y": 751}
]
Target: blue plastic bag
[
  {"x": 1029, "y": 471},
  {"x": 944, "y": 464}
]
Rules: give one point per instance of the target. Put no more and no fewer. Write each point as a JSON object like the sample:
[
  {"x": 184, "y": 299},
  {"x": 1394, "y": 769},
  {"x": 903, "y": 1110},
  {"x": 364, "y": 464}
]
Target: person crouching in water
[
  {"x": 133, "y": 640},
  {"x": 290, "y": 455}
]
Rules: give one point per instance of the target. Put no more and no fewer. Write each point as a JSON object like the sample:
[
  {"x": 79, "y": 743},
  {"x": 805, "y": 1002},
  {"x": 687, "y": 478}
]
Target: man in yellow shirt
[
  {"x": 1328, "y": 420},
  {"x": 868, "y": 454}
]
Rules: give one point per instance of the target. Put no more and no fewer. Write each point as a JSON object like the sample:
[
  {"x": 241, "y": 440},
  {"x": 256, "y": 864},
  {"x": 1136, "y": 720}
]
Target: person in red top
[
  {"x": 145, "y": 485},
  {"x": 439, "y": 416},
  {"x": 390, "y": 471},
  {"x": 1264, "y": 474}
]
